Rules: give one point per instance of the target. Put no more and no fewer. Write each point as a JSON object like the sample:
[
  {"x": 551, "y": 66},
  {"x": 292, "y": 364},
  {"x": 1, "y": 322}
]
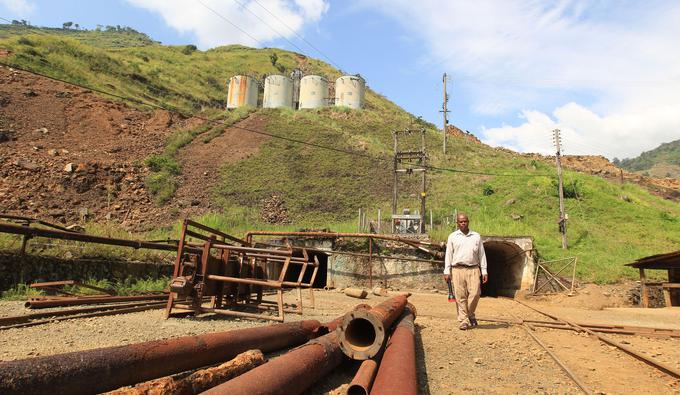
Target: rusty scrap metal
[
  {"x": 74, "y": 236},
  {"x": 105, "y": 369},
  {"x": 198, "y": 381},
  {"x": 52, "y": 285},
  {"x": 362, "y": 381},
  {"x": 363, "y": 333},
  {"x": 291, "y": 373},
  {"x": 45, "y": 302},
  {"x": 397, "y": 372},
  {"x": 356, "y": 292},
  {"x": 670, "y": 370}
]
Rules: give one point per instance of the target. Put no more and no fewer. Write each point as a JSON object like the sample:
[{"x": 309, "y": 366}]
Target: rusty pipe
[
  {"x": 333, "y": 325},
  {"x": 291, "y": 373},
  {"x": 361, "y": 383},
  {"x": 105, "y": 369},
  {"x": 41, "y": 303},
  {"x": 362, "y": 333},
  {"x": 397, "y": 372}
]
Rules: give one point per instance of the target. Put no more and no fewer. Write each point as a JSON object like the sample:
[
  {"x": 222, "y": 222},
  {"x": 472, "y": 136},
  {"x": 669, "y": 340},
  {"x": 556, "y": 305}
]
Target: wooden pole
[
  {"x": 379, "y": 222},
  {"x": 644, "y": 292},
  {"x": 445, "y": 111},
  {"x": 563, "y": 219}
]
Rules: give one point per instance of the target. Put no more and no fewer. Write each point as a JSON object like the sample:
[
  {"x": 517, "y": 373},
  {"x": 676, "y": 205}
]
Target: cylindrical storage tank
[
  {"x": 349, "y": 91},
  {"x": 313, "y": 91},
  {"x": 243, "y": 91},
  {"x": 278, "y": 92}
]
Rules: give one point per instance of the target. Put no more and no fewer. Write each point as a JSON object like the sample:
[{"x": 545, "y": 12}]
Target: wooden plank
[{"x": 644, "y": 293}]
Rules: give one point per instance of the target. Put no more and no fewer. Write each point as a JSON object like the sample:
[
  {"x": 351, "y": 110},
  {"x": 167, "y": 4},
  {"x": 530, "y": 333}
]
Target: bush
[
  {"x": 487, "y": 190},
  {"x": 161, "y": 185},
  {"x": 159, "y": 163},
  {"x": 189, "y": 49}
]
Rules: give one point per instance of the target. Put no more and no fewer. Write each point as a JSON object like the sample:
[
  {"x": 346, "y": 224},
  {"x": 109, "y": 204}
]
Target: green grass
[
  {"x": 123, "y": 288},
  {"x": 325, "y": 189}
]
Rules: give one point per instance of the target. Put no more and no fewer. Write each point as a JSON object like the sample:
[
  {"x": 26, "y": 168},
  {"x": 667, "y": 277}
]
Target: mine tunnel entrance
[
  {"x": 320, "y": 281},
  {"x": 505, "y": 264}
]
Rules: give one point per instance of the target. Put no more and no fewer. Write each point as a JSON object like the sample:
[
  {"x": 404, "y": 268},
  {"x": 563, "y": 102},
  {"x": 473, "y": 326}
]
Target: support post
[
  {"x": 644, "y": 292},
  {"x": 563, "y": 219}
]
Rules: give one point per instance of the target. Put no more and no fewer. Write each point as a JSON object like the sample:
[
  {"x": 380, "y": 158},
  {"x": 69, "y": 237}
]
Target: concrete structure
[
  {"x": 278, "y": 92},
  {"x": 511, "y": 267},
  {"x": 243, "y": 91},
  {"x": 313, "y": 92},
  {"x": 349, "y": 91}
]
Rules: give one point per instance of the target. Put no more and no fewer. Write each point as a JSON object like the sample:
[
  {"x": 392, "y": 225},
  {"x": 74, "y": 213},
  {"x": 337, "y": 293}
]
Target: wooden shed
[{"x": 671, "y": 289}]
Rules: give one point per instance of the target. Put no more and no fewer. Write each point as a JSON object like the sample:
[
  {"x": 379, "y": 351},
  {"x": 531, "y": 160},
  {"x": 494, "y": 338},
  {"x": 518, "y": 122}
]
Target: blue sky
[{"x": 607, "y": 73}]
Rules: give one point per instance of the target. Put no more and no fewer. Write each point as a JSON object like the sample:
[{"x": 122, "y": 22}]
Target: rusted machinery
[
  {"x": 363, "y": 333},
  {"x": 234, "y": 274},
  {"x": 105, "y": 369},
  {"x": 397, "y": 372}
]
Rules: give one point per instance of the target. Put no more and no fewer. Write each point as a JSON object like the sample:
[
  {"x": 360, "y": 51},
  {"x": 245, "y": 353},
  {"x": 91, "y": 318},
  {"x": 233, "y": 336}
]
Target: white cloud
[
  {"x": 216, "y": 22},
  {"x": 18, "y": 7},
  {"x": 605, "y": 72}
]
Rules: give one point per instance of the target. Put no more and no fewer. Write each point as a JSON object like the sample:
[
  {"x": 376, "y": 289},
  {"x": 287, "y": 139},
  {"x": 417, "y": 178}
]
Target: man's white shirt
[{"x": 465, "y": 250}]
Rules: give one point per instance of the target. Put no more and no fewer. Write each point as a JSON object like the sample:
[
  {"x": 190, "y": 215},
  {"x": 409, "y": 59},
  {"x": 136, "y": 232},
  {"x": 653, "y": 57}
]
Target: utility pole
[
  {"x": 557, "y": 139},
  {"x": 409, "y": 162},
  {"x": 444, "y": 111}
]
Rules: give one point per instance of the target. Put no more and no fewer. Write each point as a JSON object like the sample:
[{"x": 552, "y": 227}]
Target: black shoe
[{"x": 473, "y": 322}]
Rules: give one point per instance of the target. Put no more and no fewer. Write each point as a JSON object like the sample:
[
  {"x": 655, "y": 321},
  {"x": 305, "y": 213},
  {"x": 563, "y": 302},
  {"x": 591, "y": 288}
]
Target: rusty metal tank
[
  {"x": 349, "y": 91},
  {"x": 313, "y": 91},
  {"x": 278, "y": 92},
  {"x": 243, "y": 91}
]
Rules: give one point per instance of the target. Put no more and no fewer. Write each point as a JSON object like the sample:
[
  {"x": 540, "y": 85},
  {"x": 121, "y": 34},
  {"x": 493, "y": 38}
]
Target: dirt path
[
  {"x": 201, "y": 162},
  {"x": 492, "y": 359}
]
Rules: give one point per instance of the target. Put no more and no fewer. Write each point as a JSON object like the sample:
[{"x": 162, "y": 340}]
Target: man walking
[{"x": 465, "y": 262}]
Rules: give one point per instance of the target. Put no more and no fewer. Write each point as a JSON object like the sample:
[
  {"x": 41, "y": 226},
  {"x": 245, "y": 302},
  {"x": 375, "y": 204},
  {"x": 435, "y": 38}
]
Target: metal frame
[{"x": 551, "y": 278}]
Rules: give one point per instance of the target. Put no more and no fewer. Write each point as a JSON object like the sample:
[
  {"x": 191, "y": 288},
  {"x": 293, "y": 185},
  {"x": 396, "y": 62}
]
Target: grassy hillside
[
  {"x": 609, "y": 224},
  {"x": 662, "y": 161}
]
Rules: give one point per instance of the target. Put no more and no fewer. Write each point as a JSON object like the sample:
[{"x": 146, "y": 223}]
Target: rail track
[{"x": 594, "y": 331}]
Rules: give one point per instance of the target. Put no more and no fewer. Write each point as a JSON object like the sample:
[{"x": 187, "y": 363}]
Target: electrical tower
[
  {"x": 409, "y": 162},
  {"x": 557, "y": 139},
  {"x": 444, "y": 111}
]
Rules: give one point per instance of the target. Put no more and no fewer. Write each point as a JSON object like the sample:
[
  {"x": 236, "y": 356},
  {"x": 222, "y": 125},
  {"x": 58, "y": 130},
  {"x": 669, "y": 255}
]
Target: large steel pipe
[
  {"x": 291, "y": 373},
  {"x": 362, "y": 381},
  {"x": 105, "y": 369},
  {"x": 362, "y": 333},
  {"x": 397, "y": 372}
]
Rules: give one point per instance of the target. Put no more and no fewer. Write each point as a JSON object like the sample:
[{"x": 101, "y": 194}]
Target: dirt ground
[{"x": 491, "y": 359}]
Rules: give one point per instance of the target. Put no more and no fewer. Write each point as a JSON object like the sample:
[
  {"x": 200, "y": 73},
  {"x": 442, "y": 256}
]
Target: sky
[{"x": 604, "y": 72}]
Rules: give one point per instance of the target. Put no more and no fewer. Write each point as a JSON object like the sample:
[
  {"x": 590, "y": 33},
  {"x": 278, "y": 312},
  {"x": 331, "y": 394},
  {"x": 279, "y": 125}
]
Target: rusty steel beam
[
  {"x": 291, "y": 373},
  {"x": 397, "y": 372},
  {"x": 43, "y": 303},
  {"x": 105, "y": 369},
  {"x": 67, "y": 235},
  {"x": 362, "y": 381},
  {"x": 198, "y": 381},
  {"x": 362, "y": 333}
]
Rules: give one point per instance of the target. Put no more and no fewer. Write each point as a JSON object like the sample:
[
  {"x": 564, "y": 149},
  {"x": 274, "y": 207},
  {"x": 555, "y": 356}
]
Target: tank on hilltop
[
  {"x": 313, "y": 92},
  {"x": 349, "y": 91},
  {"x": 278, "y": 92},
  {"x": 243, "y": 91}
]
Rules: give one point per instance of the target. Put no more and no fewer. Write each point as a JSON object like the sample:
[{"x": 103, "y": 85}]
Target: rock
[
  {"x": 195, "y": 202},
  {"x": 81, "y": 168},
  {"x": 76, "y": 228},
  {"x": 52, "y": 152},
  {"x": 24, "y": 164},
  {"x": 4, "y": 137},
  {"x": 69, "y": 167},
  {"x": 41, "y": 130},
  {"x": 478, "y": 361},
  {"x": 63, "y": 151},
  {"x": 510, "y": 201},
  {"x": 516, "y": 217}
]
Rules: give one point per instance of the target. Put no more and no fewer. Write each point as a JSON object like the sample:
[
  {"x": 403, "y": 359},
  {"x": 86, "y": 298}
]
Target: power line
[
  {"x": 257, "y": 42},
  {"x": 299, "y": 36},
  {"x": 170, "y": 108}
]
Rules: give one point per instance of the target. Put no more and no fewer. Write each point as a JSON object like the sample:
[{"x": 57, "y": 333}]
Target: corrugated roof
[{"x": 669, "y": 260}]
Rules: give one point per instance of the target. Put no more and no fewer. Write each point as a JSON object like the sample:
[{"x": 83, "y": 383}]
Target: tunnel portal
[{"x": 506, "y": 262}]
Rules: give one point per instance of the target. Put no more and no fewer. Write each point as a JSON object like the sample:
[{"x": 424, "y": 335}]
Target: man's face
[{"x": 463, "y": 223}]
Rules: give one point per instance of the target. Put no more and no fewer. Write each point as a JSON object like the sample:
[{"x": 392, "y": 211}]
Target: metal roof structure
[{"x": 669, "y": 260}]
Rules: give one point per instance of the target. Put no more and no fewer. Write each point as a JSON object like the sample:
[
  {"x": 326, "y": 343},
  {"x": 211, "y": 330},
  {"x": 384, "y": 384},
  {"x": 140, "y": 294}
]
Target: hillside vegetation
[
  {"x": 662, "y": 161},
  {"x": 609, "y": 224}
]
